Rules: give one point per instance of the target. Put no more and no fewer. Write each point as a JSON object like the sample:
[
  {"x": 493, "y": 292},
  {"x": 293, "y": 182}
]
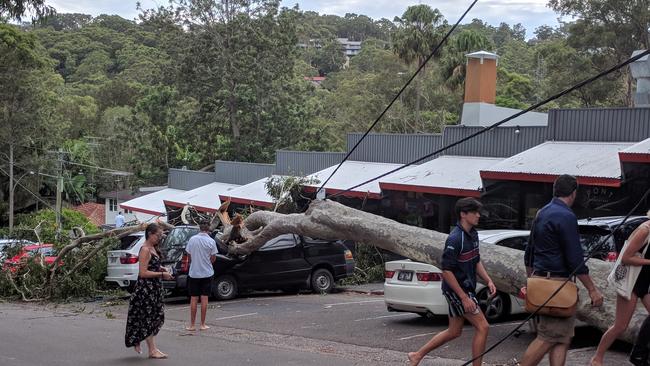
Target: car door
[{"x": 274, "y": 265}]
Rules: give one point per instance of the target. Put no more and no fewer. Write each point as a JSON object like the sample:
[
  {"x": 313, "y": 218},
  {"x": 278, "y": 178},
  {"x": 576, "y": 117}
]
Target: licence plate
[
  {"x": 405, "y": 276},
  {"x": 113, "y": 260}
]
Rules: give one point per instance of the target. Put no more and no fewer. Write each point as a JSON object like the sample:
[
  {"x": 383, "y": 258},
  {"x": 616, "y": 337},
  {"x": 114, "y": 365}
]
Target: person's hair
[
  {"x": 467, "y": 204},
  {"x": 204, "y": 225},
  {"x": 151, "y": 229},
  {"x": 564, "y": 185},
  {"x": 119, "y": 212}
]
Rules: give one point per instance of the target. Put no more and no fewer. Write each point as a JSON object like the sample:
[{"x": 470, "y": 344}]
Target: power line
[
  {"x": 488, "y": 128},
  {"x": 435, "y": 50},
  {"x": 28, "y": 190}
]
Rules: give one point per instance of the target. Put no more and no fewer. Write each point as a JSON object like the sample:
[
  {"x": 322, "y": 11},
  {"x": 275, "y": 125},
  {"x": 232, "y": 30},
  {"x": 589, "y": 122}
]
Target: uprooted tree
[{"x": 330, "y": 220}]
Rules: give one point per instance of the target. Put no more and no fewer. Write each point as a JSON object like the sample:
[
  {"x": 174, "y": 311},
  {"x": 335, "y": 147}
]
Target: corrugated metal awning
[
  {"x": 205, "y": 198},
  {"x": 637, "y": 153},
  {"x": 593, "y": 163},
  {"x": 447, "y": 175},
  {"x": 152, "y": 203},
  {"x": 350, "y": 174},
  {"x": 254, "y": 194}
]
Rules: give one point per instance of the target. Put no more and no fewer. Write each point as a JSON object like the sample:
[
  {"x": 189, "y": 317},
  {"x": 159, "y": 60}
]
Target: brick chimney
[{"x": 481, "y": 77}]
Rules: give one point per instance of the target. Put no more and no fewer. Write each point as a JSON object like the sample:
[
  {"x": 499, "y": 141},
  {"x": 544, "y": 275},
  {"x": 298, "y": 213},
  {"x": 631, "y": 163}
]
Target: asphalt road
[{"x": 265, "y": 329}]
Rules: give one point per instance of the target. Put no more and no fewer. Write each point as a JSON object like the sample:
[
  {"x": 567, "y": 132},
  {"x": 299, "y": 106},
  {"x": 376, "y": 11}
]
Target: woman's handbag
[
  {"x": 623, "y": 276},
  {"x": 562, "y": 305}
]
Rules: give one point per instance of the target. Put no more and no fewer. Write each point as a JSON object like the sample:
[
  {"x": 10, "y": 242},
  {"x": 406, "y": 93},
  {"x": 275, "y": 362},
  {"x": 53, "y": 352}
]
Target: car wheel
[
  {"x": 322, "y": 281},
  {"x": 495, "y": 308},
  {"x": 224, "y": 287}
]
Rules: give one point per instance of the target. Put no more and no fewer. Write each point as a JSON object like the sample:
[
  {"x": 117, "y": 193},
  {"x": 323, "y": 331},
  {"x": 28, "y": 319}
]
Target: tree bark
[{"x": 331, "y": 221}]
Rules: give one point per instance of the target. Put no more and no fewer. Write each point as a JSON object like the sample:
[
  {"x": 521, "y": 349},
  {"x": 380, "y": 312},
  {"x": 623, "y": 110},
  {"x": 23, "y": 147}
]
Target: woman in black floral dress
[{"x": 146, "y": 309}]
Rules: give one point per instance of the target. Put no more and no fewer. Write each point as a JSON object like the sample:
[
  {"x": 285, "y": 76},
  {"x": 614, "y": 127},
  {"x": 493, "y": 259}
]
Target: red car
[{"x": 29, "y": 251}]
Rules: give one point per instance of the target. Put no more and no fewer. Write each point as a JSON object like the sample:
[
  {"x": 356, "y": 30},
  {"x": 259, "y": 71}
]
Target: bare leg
[
  {"x": 624, "y": 312},
  {"x": 137, "y": 348},
  {"x": 193, "y": 304},
  {"x": 204, "y": 311},
  {"x": 154, "y": 352},
  {"x": 557, "y": 357},
  {"x": 454, "y": 330},
  {"x": 535, "y": 352},
  {"x": 481, "y": 329}
]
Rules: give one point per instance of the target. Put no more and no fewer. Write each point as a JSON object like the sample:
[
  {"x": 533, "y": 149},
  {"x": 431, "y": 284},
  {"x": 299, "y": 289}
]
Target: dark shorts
[
  {"x": 199, "y": 286},
  {"x": 456, "y": 304}
]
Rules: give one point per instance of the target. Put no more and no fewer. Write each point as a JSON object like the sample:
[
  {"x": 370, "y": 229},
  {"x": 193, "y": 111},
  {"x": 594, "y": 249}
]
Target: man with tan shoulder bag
[{"x": 552, "y": 254}]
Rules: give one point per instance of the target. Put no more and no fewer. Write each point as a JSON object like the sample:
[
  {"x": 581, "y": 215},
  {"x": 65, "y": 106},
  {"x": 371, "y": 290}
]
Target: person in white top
[
  {"x": 202, "y": 252},
  {"x": 119, "y": 220}
]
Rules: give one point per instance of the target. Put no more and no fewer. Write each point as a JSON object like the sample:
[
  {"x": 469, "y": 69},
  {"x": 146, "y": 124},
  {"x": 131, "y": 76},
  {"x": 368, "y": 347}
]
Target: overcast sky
[{"x": 530, "y": 13}]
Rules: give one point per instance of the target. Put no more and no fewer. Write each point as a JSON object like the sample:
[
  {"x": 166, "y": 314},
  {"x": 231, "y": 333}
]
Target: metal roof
[
  {"x": 237, "y": 172},
  {"x": 637, "y": 153},
  {"x": 499, "y": 142},
  {"x": 350, "y": 174},
  {"x": 152, "y": 203},
  {"x": 393, "y": 148},
  {"x": 188, "y": 179},
  {"x": 593, "y": 163},
  {"x": 599, "y": 124},
  {"x": 204, "y": 198},
  {"x": 447, "y": 175},
  {"x": 253, "y": 193},
  {"x": 302, "y": 163}
]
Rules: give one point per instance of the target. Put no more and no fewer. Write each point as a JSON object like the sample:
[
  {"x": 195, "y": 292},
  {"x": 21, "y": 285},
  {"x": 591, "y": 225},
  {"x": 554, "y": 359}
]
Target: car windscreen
[
  {"x": 281, "y": 242},
  {"x": 591, "y": 237},
  {"x": 173, "y": 246}
]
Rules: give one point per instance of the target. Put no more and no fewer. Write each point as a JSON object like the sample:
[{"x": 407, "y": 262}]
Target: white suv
[{"x": 123, "y": 264}]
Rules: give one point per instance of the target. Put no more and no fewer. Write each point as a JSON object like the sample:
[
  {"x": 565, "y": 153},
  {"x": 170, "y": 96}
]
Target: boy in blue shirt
[{"x": 461, "y": 262}]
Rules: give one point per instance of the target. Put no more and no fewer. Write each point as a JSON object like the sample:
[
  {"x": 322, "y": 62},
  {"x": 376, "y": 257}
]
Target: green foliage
[
  {"x": 47, "y": 220},
  {"x": 286, "y": 192},
  {"x": 369, "y": 266}
]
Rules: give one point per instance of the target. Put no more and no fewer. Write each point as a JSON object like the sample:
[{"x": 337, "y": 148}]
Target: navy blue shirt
[
  {"x": 556, "y": 241},
  {"x": 461, "y": 255}
]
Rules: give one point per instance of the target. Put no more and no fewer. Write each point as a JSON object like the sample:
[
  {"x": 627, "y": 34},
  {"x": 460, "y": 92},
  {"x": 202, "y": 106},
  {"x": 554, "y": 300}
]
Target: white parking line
[
  {"x": 350, "y": 303},
  {"x": 417, "y": 336},
  {"x": 383, "y": 316},
  {"x": 235, "y": 316}
]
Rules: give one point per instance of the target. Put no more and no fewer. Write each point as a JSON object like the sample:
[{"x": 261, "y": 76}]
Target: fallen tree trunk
[{"x": 330, "y": 221}]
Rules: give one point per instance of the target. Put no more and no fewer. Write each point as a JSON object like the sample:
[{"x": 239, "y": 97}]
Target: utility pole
[
  {"x": 59, "y": 191},
  {"x": 11, "y": 188}
]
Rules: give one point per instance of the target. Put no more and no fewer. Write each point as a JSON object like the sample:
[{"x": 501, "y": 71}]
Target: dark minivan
[{"x": 289, "y": 263}]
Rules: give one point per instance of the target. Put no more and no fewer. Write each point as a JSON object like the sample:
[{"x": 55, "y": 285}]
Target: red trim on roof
[
  {"x": 549, "y": 178},
  {"x": 244, "y": 201},
  {"x": 181, "y": 205},
  {"x": 430, "y": 189},
  {"x": 352, "y": 194},
  {"x": 634, "y": 157},
  {"x": 142, "y": 210}
]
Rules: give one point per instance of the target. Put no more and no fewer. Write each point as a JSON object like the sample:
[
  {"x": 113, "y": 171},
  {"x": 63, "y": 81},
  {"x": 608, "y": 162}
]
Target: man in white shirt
[
  {"x": 119, "y": 220},
  {"x": 202, "y": 252}
]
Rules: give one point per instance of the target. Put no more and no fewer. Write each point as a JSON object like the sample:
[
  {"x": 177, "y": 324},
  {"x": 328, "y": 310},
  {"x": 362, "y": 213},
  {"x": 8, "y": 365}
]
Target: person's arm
[
  {"x": 143, "y": 258},
  {"x": 636, "y": 241},
  {"x": 214, "y": 252},
  {"x": 594, "y": 293},
  {"x": 480, "y": 269}
]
